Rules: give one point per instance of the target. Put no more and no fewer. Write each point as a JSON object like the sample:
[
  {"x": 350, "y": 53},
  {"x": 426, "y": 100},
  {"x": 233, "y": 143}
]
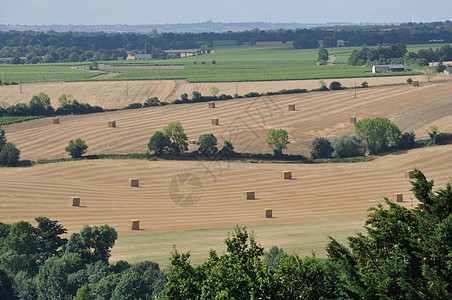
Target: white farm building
[{"x": 387, "y": 68}]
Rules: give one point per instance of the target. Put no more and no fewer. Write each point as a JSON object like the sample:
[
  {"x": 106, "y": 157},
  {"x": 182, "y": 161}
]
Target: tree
[
  {"x": 175, "y": 132},
  {"x": 83, "y": 293},
  {"x": 364, "y": 84},
  {"x": 40, "y": 104},
  {"x": 3, "y": 139},
  {"x": 207, "y": 144},
  {"x": 92, "y": 243},
  {"x": 158, "y": 143},
  {"x": 9, "y": 155},
  {"x": 433, "y": 133},
  {"x": 277, "y": 140},
  {"x": 405, "y": 253},
  {"x": 321, "y": 148},
  {"x": 378, "y": 133},
  {"x": 335, "y": 85},
  {"x": 429, "y": 72},
  {"x": 76, "y": 148},
  {"x": 409, "y": 81},
  {"x": 348, "y": 146},
  {"x": 228, "y": 148},
  {"x": 48, "y": 236},
  {"x": 130, "y": 286},
  {"x": 214, "y": 90},
  {"x": 323, "y": 56}
]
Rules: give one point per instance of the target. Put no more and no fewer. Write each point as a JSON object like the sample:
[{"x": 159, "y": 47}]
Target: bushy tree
[
  {"x": 76, "y": 148},
  {"x": 364, "y": 84},
  {"x": 9, "y": 155},
  {"x": 407, "y": 140},
  {"x": 348, "y": 146},
  {"x": 175, "y": 132},
  {"x": 323, "y": 56},
  {"x": 335, "y": 85},
  {"x": 40, "y": 104},
  {"x": 158, "y": 143},
  {"x": 130, "y": 286},
  {"x": 378, "y": 133},
  {"x": 83, "y": 293},
  {"x": 277, "y": 140},
  {"x": 321, "y": 148},
  {"x": 405, "y": 253},
  {"x": 207, "y": 144},
  {"x": 228, "y": 148}
]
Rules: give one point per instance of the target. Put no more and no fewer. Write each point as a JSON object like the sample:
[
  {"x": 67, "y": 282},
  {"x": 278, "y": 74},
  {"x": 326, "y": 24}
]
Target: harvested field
[
  {"x": 118, "y": 94},
  {"x": 327, "y": 195},
  {"x": 243, "y": 121}
]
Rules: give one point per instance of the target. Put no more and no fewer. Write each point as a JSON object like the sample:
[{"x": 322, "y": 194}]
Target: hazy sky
[{"x": 92, "y": 12}]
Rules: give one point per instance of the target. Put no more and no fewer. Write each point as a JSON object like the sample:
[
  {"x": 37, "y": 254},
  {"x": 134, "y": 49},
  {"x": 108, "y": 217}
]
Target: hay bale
[
  {"x": 134, "y": 182},
  {"x": 56, "y": 120},
  {"x": 211, "y": 104},
  {"x": 291, "y": 107},
  {"x": 287, "y": 175},
  {"x": 74, "y": 201},
  {"x": 352, "y": 119},
  {"x": 215, "y": 121},
  {"x": 268, "y": 213},
  {"x": 249, "y": 195},
  {"x": 415, "y": 83},
  {"x": 111, "y": 124},
  {"x": 135, "y": 224},
  {"x": 409, "y": 174},
  {"x": 398, "y": 197}
]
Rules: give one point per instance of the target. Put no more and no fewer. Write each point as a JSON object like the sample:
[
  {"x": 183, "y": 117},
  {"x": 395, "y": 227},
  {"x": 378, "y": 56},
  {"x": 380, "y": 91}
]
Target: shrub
[
  {"x": 321, "y": 148},
  {"x": 336, "y": 85},
  {"x": 207, "y": 144},
  {"x": 251, "y": 94},
  {"x": 364, "y": 84},
  {"x": 154, "y": 101},
  {"x": 348, "y": 146},
  {"x": 76, "y": 148},
  {"x": 407, "y": 141},
  {"x": 409, "y": 81},
  {"x": 443, "y": 138},
  {"x": 9, "y": 155},
  {"x": 228, "y": 148},
  {"x": 134, "y": 106}
]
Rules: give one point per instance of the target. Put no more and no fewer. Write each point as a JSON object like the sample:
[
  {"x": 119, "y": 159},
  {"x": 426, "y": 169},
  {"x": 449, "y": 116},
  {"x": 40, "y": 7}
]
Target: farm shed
[{"x": 387, "y": 68}]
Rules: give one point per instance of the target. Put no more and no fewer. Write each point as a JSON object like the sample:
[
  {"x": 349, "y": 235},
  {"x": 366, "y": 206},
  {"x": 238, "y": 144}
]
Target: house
[
  {"x": 387, "y": 68},
  {"x": 448, "y": 71}
]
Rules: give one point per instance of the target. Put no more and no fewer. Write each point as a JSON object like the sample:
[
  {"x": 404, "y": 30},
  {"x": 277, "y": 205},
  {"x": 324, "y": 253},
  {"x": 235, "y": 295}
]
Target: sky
[{"x": 94, "y": 12}]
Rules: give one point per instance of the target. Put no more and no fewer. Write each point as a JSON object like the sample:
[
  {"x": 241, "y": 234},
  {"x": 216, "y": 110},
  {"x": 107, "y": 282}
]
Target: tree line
[
  {"x": 404, "y": 254},
  {"x": 98, "y": 46}
]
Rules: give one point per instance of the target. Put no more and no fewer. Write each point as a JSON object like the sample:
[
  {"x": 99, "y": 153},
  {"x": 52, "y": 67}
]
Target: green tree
[
  {"x": 335, "y": 85},
  {"x": 92, "y": 243},
  {"x": 378, "y": 133},
  {"x": 348, "y": 146},
  {"x": 323, "y": 56},
  {"x": 214, "y": 90},
  {"x": 433, "y": 133},
  {"x": 48, "y": 236},
  {"x": 207, "y": 144},
  {"x": 130, "y": 286},
  {"x": 321, "y": 148},
  {"x": 40, "y": 104},
  {"x": 158, "y": 143},
  {"x": 277, "y": 140},
  {"x": 429, "y": 72},
  {"x": 3, "y": 139},
  {"x": 76, "y": 148},
  {"x": 9, "y": 155},
  {"x": 405, "y": 253},
  {"x": 83, "y": 293},
  {"x": 364, "y": 84},
  {"x": 228, "y": 148},
  {"x": 175, "y": 132}
]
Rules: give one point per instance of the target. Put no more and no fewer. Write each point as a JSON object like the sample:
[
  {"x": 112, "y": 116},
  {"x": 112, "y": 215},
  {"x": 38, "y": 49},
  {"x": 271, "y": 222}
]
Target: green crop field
[
  {"x": 17, "y": 119},
  {"x": 231, "y": 64}
]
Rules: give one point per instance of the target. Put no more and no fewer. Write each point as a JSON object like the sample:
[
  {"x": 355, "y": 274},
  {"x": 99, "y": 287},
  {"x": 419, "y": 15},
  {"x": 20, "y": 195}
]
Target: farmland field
[
  {"x": 232, "y": 64},
  {"x": 321, "y": 200}
]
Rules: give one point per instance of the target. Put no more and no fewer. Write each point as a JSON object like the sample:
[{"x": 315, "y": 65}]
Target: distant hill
[{"x": 208, "y": 26}]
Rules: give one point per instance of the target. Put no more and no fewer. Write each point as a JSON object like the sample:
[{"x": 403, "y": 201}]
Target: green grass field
[
  {"x": 232, "y": 64},
  {"x": 18, "y": 119}
]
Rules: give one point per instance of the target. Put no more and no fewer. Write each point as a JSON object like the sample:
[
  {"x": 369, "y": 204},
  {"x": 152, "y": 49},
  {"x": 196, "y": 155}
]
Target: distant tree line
[
  {"x": 98, "y": 46},
  {"x": 398, "y": 54}
]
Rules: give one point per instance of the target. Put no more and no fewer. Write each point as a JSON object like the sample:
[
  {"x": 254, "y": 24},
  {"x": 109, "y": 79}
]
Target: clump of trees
[
  {"x": 9, "y": 154},
  {"x": 172, "y": 139},
  {"x": 379, "y": 134},
  {"x": 76, "y": 148},
  {"x": 323, "y": 56}
]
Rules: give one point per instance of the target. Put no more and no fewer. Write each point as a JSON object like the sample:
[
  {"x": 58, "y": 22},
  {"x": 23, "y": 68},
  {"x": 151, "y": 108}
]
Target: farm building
[
  {"x": 387, "y": 68},
  {"x": 139, "y": 57},
  {"x": 448, "y": 71}
]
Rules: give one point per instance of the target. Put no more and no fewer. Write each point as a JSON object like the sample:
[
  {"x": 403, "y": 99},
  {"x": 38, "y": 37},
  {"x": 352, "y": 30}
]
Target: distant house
[
  {"x": 387, "y": 68},
  {"x": 448, "y": 71}
]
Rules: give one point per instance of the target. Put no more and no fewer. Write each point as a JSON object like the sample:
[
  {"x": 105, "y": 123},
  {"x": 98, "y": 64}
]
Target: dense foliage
[
  {"x": 379, "y": 134},
  {"x": 9, "y": 154},
  {"x": 321, "y": 148},
  {"x": 277, "y": 140},
  {"x": 76, "y": 148}
]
